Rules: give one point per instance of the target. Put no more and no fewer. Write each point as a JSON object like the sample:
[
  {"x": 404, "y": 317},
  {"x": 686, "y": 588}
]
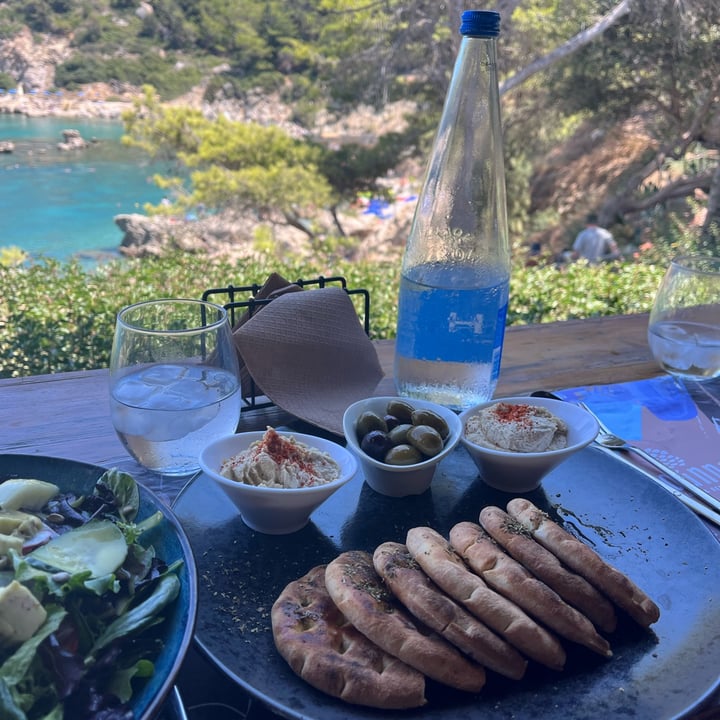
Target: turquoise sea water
[{"x": 62, "y": 203}]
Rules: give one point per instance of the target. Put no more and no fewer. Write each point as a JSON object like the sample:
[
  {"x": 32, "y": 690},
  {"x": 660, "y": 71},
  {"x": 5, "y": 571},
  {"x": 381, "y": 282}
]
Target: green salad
[{"x": 81, "y": 599}]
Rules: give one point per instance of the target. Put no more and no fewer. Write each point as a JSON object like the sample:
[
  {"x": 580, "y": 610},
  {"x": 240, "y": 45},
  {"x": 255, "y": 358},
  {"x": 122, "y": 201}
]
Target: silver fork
[{"x": 709, "y": 508}]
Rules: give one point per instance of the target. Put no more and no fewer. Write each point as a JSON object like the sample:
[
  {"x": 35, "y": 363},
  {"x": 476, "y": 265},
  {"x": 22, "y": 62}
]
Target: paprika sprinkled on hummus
[
  {"x": 517, "y": 427},
  {"x": 279, "y": 461}
]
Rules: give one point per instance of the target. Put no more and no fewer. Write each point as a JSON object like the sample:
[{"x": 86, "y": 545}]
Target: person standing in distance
[{"x": 595, "y": 244}]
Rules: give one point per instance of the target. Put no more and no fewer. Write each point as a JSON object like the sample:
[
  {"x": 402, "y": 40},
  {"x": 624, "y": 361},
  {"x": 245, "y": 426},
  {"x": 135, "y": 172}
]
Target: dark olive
[
  {"x": 401, "y": 410},
  {"x": 391, "y": 421},
  {"x": 426, "y": 439},
  {"x": 403, "y": 455},
  {"x": 375, "y": 444},
  {"x": 428, "y": 417},
  {"x": 369, "y": 421},
  {"x": 398, "y": 435}
]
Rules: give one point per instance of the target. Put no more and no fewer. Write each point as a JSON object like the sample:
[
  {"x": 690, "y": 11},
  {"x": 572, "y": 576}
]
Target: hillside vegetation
[{"x": 607, "y": 107}]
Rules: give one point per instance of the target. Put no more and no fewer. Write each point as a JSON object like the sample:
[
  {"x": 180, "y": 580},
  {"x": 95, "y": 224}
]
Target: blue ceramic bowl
[{"x": 170, "y": 543}]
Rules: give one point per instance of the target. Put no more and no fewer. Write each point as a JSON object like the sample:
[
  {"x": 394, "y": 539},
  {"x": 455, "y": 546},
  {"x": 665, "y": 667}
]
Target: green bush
[
  {"x": 546, "y": 293},
  {"x": 148, "y": 69},
  {"x": 7, "y": 81},
  {"x": 57, "y": 317}
]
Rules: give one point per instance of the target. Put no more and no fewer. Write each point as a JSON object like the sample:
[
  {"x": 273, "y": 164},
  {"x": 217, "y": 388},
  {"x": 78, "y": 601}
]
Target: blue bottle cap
[{"x": 480, "y": 23}]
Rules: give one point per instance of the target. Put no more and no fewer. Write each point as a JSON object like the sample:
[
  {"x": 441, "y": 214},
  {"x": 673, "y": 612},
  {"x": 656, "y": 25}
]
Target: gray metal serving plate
[{"x": 665, "y": 672}]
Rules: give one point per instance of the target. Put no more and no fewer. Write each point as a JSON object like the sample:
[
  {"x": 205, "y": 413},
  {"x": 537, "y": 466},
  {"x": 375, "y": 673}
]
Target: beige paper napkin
[
  {"x": 273, "y": 287},
  {"x": 310, "y": 355}
]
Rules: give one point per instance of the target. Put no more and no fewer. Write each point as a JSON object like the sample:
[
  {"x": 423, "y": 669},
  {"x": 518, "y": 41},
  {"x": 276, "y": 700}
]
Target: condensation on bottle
[{"x": 455, "y": 276}]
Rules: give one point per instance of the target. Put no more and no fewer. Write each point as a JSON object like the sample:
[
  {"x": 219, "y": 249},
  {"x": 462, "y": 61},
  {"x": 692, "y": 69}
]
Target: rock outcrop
[
  {"x": 369, "y": 236},
  {"x": 72, "y": 140},
  {"x": 154, "y": 236},
  {"x": 32, "y": 63}
]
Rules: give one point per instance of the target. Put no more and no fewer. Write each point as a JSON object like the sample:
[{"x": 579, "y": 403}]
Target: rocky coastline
[
  {"x": 62, "y": 105},
  {"x": 369, "y": 235},
  {"x": 372, "y": 236},
  {"x": 32, "y": 60}
]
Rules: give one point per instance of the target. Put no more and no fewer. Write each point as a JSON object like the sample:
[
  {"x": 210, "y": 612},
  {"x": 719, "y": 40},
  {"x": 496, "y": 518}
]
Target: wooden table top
[{"x": 67, "y": 414}]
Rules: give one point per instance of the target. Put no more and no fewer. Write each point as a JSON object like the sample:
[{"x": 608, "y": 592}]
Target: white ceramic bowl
[
  {"x": 398, "y": 480},
  {"x": 518, "y": 472},
  {"x": 275, "y": 511}
]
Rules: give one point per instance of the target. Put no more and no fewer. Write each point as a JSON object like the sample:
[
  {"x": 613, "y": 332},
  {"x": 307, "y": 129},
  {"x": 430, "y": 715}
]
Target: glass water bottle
[{"x": 455, "y": 275}]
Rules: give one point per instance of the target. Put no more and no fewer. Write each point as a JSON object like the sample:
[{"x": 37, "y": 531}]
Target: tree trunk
[
  {"x": 297, "y": 222},
  {"x": 623, "y": 204},
  {"x": 710, "y": 234},
  {"x": 674, "y": 148},
  {"x": 336, "y": 220},
  {"x": 572, "y": 45}
]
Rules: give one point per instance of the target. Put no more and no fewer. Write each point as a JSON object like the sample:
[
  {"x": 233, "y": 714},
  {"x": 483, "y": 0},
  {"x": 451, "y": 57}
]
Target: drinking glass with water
[
  {"x": 174, "y": 382},
  {"x": 684, "y": 326}
]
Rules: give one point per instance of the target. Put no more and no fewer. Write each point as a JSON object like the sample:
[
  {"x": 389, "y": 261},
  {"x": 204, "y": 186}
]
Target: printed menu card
[{"x": 675, "y": 421}]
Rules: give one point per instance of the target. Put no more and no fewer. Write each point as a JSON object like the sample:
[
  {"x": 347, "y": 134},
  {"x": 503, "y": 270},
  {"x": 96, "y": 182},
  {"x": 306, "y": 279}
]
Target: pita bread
[
  {"x": 360, "y": 594},
  {"x": 331, "y": 655},
  {"x": 429, "y": 604},
  {"x": 440, "y": 561},
  {"x": 571, "y": 587},
  {"x": 511, "y": 579},
  {"x": 586, "y": 562}
]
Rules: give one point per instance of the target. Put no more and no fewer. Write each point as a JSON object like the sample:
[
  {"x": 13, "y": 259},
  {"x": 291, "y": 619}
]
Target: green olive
[
  {"x": 426, "y": 439},
  {"x": 403, "y": 455},
  {"x": 398, "y": 435},
  {"x": 428, "y": 417},
  {"x": 401, "y": 410},
  {"x": 369, "y": 421}
]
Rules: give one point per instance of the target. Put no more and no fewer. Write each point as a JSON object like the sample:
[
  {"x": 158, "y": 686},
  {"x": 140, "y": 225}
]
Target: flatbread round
[
  {"x": 429, "y": 604},
  {"x": 583, "y": 560},
  {"x": 440, "y": 561},
  {"x": 511, "y": 579},
  {"x": 360, "y": 594},
  {"x": 327, "y": 652},
  {"x": 545, "y": 565}
]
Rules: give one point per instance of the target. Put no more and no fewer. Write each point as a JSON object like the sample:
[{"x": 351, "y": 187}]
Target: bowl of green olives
[{"x": 399, "y": 441}]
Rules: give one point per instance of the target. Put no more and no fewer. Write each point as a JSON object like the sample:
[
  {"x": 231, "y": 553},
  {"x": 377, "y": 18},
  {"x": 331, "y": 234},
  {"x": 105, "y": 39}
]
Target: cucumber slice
[
  {"x": 99, "y": 547},
  {"x": 26, "y": 493}
]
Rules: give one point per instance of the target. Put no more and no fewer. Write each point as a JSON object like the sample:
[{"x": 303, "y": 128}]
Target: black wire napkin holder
[{"x": 230, "y": 299}]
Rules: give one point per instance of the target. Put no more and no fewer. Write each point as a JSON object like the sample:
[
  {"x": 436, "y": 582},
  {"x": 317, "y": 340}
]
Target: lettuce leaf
[{"x": 142, "y": 616}]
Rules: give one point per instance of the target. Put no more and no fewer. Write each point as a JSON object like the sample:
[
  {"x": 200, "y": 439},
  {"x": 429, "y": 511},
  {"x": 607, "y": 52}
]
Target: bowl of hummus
[
  {"x": 277, "y": 479},
  {"x": 516, "y": 441}
]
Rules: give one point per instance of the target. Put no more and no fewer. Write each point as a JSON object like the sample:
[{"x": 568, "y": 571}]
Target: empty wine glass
[
  {"x": 684, "y": 326},
  {"x": 174, "y": 382}
]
